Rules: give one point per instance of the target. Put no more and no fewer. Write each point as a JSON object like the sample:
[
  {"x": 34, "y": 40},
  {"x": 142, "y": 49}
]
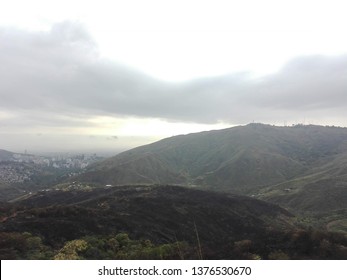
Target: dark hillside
[
  {"x": 159, "y": 213},
  {"x": 302, "y": 168},
  {"x": 206, "y": 224}
]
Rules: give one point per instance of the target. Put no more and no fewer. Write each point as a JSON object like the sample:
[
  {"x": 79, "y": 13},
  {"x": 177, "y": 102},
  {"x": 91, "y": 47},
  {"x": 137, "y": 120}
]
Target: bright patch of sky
[{"x": 153, "y": 69}]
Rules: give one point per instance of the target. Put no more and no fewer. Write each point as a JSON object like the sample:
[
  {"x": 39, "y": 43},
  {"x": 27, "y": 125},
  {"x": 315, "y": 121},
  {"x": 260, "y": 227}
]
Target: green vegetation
[
  {"x": 14, "y": 245},
  {"x": 301, "y": 168},
  {"x": 298, "y": 244},
  {"x": 238, "y": 159},
  {"x": 127, "y": 208},
  {"x": 115, "y": 247}
]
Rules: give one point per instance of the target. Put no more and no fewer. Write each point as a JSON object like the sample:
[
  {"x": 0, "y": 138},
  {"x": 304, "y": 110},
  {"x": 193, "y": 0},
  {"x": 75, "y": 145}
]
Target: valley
[
  {"x": 24, "y": 174},
  {"x": 301, "y": 168},
  {"x": 247, "y": 192}
]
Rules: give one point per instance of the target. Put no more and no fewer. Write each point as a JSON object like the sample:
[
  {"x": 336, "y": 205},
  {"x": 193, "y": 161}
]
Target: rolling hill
[
  {"x": 285, "y": 165},
  {"x": 167, "y": 222},
  {"x": 298, "y": 169},
  {"x": 238, "y": 158},
  {"x": 161, "y": 213},
  {"x": 301, "y": 168}
]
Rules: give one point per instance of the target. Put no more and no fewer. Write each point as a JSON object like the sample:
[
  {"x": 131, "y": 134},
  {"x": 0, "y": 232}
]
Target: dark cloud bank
[{"x": 46, "y": 75}]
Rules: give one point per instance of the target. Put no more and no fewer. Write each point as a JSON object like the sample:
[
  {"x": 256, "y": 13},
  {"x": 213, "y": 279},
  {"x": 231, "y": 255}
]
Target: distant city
[{"x": 19, "y": 168}]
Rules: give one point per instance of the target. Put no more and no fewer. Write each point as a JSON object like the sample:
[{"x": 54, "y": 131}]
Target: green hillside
[
  {"x": 302, "y": 167},
  {"x": 237, "y": 159}
]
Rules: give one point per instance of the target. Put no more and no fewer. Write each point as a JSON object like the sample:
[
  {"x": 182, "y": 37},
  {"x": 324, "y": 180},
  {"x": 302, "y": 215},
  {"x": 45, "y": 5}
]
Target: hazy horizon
[
  {"x": 84, "y": 76},
  {"x": 102, "y": 145}
]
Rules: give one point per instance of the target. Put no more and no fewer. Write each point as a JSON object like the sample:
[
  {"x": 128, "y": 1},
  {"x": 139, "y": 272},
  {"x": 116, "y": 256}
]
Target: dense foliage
[{"x": 277, "y": 245}]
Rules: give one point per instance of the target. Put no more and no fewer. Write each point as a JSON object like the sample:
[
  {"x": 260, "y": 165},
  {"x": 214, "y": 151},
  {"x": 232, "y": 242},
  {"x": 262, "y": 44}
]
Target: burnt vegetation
[
  {"x": 157, "y": 222},
  {"x": 248, "y": 192}
]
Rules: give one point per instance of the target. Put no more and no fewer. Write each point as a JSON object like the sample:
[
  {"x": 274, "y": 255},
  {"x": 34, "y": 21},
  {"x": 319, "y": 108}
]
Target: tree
[{"x": 71, "y": 249}]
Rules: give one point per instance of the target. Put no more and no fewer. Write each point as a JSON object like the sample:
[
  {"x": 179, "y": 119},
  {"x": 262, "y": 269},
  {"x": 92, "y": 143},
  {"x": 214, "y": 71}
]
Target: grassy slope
[
  {"x": 238, "y": 159},
  {"x": 302, "y": 168}
]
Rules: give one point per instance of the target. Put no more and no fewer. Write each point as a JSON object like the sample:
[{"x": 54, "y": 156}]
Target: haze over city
[
  {"x": 190, "y": 131},
  {"x": 118, "y": 74}
]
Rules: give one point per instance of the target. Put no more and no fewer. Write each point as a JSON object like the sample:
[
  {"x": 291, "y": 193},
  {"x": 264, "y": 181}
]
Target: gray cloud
[
  {"x": 306, "y": 83},
  {"x": 58, "y": 78}
]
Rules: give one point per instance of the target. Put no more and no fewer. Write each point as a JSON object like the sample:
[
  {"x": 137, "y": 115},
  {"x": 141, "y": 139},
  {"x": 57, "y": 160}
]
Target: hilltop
[
  {"x": 238, "y": 158},
  {"x": 302, "y": 167},
  {"x": 293, "y": 177}
]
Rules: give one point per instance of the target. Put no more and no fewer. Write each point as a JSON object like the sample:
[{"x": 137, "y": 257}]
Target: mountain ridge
[
  {"x": 188, "y": 158},
  {"x": 302, "y": 168}
]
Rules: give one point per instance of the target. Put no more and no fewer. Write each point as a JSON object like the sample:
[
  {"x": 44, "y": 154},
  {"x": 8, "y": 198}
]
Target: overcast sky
[{"x": 116, "y": 74}]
